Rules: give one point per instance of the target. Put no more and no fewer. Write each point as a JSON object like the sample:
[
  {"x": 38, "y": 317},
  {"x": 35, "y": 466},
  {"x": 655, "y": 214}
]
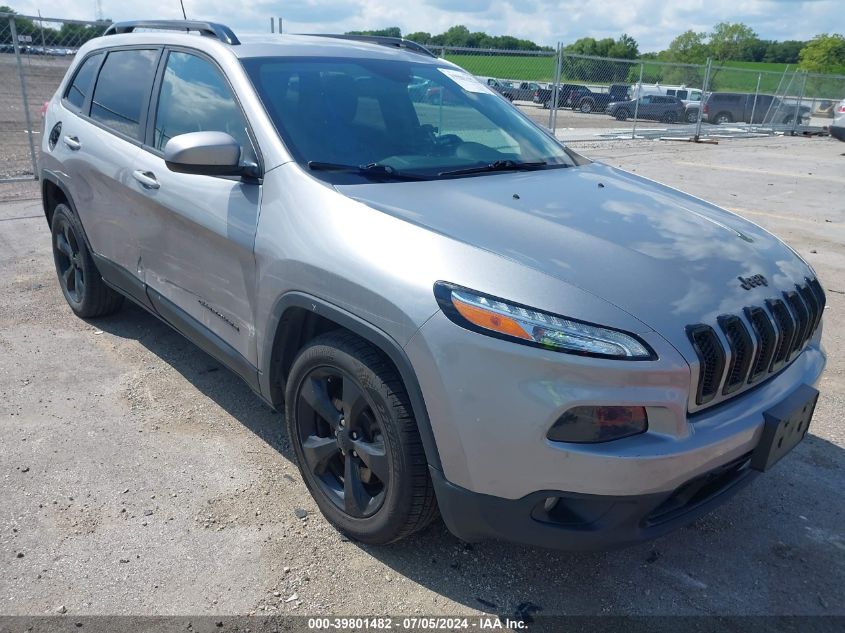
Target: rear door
[
  {"x": 100, "y": 142},
  {"x": 197, "y": 246}
]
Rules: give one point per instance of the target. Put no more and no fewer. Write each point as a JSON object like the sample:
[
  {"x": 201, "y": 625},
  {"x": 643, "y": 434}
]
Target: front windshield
[{"x": 415, "y": 119}]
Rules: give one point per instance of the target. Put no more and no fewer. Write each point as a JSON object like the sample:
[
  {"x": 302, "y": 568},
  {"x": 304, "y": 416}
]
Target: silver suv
[{"x": 453, "y": 310}]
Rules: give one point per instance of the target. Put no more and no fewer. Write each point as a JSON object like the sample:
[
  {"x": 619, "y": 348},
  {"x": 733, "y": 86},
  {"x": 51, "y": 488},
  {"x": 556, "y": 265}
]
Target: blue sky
[{"x": 652, "y": 22}]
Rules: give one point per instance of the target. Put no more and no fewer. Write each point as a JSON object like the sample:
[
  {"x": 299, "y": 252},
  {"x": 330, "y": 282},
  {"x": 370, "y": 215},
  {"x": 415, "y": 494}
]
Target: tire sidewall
[
  {"x": 62, "y": 216},
  {"x": 379, "y": 527}
]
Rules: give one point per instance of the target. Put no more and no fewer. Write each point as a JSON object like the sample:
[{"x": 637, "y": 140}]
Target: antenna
[{"x": 182, "y": 4}]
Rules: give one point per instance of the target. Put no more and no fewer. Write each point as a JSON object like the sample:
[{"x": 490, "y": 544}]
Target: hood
[{"x": 665, "y": 257}]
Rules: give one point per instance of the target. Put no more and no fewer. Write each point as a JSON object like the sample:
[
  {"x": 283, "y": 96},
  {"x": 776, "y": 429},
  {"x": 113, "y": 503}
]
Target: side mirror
[{"x": 207, "y": 154}]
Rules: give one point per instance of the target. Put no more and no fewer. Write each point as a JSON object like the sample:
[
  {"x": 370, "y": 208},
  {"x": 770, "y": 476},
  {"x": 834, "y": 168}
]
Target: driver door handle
[
  {"x": 72, "y": 142},
  {"x": 146, "y": 178}
]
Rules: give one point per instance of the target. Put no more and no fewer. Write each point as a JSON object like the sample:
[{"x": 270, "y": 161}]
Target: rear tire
[
  {"x": 692, "y": 117},
  {"x": 356, "y": 441},
  {"x": 723, "y": 117},
  {"x": 670, "y": 117},
  {"x": 586, "y": 106},
  {"x": 621, "y": 114},
  {"x": 82, "y": 285}
]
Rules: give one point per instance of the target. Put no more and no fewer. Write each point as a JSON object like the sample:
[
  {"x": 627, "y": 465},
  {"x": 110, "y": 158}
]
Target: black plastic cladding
[{"x": 778, "y": 340}]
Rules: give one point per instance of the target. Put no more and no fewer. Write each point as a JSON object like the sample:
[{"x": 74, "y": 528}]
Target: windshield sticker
[{"x": 465, "y": 80}]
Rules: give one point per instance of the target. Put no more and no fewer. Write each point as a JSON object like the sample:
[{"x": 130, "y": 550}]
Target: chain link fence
[
  {"x": 585, "y": 98},
  {"x": 581, "y": 98},
  {"x": 35, "y": 53}
]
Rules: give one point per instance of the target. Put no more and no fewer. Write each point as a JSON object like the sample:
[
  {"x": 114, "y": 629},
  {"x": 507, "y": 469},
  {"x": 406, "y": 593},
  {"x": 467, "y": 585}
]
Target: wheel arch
[
  {"x": 298, "y": 318},
  {"x": 53, "y": 193}
]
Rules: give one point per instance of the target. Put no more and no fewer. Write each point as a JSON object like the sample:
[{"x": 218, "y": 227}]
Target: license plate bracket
[{"x": 784, "y": 426}]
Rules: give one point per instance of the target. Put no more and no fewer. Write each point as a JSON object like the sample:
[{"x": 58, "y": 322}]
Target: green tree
[
  {"x": 824, "y": 54},
  {"x": 688, "y": 48},
  {"x": 625, "y": 47},
  {"x": 420, "y": 37},
  {"x": 731, "y": 41},
  {"x": 391, "y": 31}
]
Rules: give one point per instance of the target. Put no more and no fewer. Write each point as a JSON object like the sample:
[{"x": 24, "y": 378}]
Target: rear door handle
[
  {"x": 72, "y": 142},
  {"x": 146, "y": 178}
]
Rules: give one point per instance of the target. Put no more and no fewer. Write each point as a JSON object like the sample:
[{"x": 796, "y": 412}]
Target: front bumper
[
  {"x": 491, "y": 403},
  {"x": 585, "y": 522}
]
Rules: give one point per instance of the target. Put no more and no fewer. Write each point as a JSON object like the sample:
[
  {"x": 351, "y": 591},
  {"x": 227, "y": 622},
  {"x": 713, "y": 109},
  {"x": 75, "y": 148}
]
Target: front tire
[
  {"x": 82, "y": 286},
  {"x": 621, "y": 114},
  {"x": 356, "y": 441}
]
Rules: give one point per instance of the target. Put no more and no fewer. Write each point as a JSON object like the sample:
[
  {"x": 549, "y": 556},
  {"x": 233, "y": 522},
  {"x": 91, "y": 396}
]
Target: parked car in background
[
  {"x": 837, "y": 128},
  {"x": 654, "y": 107},
  {"x": 825, "y": 108},
  {"x": 587, "y": 100},
  {"x": 684, "y": 93},
  {"x": 504, "y": 88},
  {"x": 740, "y": 107},
  {"x": 522, "y": 90},
  {"x": 566, "y": 95}
]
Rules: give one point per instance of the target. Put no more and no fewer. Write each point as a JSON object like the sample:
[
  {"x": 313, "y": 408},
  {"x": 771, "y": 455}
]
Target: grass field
[
  {"x": 732, "y": 77},
  {"x": 527, "y": 67}
]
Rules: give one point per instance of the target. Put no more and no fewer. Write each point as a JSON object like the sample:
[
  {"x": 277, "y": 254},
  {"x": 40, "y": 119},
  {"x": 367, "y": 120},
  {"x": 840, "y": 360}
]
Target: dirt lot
[
  {"x": 42, "y": 75},
  {"x": 140, "y": 477}
]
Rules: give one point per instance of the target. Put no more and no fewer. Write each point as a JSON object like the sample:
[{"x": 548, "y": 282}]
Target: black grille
[
  {"x": 786, "y": 331},
  {"x": 712, "y": 357},
  {"x": 742, "y": 352},
  {"x": 802, "y": 320},
  {"x": 766, "y": 337},
  {"x": 761, "y": 345}
]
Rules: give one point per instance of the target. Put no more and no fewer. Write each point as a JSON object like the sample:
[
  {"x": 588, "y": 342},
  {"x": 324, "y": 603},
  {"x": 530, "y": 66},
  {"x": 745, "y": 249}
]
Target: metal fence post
[
  {"x": 14, "y": 30},
  {"x": 704, "y": 88},
  {"x": 756, "y": 92},
  {"x": 797, "y": 114},
  {"x": 555, "y": 89},
  {"x": 637, "y": 102}
]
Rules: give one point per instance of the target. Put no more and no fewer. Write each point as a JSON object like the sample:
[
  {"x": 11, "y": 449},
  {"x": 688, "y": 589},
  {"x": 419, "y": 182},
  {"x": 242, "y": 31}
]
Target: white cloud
[{"x": 652, "y": 22}]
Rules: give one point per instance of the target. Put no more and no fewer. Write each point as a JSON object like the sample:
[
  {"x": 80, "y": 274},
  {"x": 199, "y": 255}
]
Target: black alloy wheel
[
  {"x": 342, "y": 442},
  {"x": 69, "y": 264},
  {"x": 356, "y": 440}
]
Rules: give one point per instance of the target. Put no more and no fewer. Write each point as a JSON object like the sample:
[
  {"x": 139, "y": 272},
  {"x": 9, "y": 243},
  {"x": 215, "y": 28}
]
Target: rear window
[
  {"x": 80, "y": 87},
  {"x": 122, "y": 87}
]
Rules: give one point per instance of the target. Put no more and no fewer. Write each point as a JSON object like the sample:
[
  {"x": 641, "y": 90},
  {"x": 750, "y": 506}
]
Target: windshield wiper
[
  {"x": 374, "y": 169},
  {"x": 499, "y": 165}
]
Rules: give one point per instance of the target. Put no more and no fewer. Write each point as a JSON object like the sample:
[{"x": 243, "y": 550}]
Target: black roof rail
[
  {"x": 395, "y": 42},
  {"x": 209, "y": 29}
]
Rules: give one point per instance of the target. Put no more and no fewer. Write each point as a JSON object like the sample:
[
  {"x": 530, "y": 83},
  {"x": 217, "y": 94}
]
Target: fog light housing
[{"x": 591, "y": 425}]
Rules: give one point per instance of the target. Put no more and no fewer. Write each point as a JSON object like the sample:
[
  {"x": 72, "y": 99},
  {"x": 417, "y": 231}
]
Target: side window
[
  {"x": 80, "y": 87},
  {"x": 194, "y": 97},
  {"x": 671, "y": 92},
  {"x": 122, "y": 87},
  {"x": 681, "y": 94}
]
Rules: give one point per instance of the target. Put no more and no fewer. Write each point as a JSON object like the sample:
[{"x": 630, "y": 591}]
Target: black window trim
[
  {"x": 86, "y": 104},
  {"x": 152, "y": 111},
  {"x": 86, "y": 111}
]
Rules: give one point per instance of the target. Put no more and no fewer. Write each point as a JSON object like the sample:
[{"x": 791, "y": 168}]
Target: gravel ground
[{"x": 141, "y": 477}]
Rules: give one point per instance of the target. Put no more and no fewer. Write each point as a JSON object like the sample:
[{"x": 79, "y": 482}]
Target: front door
[{"x": 197, "y": 249}]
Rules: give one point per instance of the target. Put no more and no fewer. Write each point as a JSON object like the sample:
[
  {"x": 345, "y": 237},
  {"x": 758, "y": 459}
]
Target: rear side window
[
  {"x": 80, "y": 87},
  {"x": 195, "y": 97},
  {"x": 122, "y": 87}
]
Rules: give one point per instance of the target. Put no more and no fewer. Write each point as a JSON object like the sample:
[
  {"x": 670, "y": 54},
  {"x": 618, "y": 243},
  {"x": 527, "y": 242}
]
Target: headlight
[{"x": 521, "y": 324}]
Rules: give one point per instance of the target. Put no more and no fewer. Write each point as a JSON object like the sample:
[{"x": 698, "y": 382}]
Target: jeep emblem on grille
[{"x": 752, "y": 282}]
